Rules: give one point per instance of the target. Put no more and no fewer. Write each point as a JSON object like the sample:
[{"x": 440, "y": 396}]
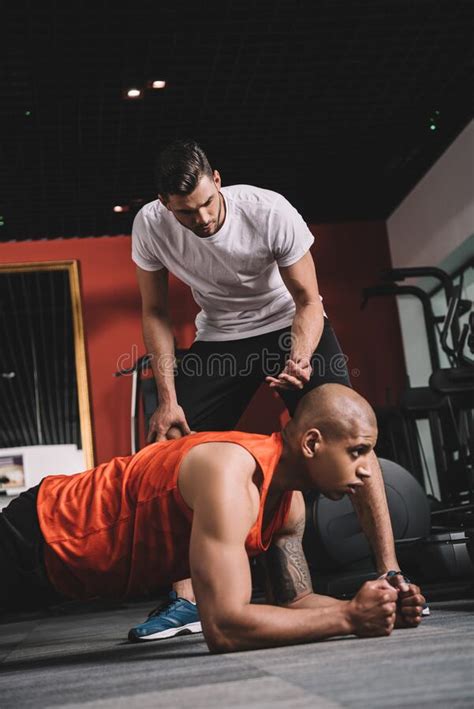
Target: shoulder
[
  {"x": 149, "y": 216},
  {"x": 295, "y": 521},
  {"x": 220, "y": 467},
  {"x": 220, "y": 454},
  {"x": 150, "y": 210},
  {"x": 250, "y": 195}
]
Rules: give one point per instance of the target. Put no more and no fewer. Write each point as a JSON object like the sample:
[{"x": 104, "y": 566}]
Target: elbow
[
  {"x": 155, "y": 313},
  {"x": 308, "y": 307},
  {"x": 219, "y": 642},
  {"x": 224, "y": 636},
  {"x": 153, "y": 318},
  {"x": 315, "y": 306},
  {"x": 220, "y": 646}
]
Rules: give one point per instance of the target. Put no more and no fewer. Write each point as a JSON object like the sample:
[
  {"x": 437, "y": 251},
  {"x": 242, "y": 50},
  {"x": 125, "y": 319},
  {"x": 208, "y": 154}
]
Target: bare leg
[
  {"x": 370, "y": 504},
  {"x": 184, "y": 589}
]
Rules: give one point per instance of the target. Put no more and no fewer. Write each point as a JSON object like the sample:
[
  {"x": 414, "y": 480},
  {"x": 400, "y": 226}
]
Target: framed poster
[{"x": 12, "y": 473}]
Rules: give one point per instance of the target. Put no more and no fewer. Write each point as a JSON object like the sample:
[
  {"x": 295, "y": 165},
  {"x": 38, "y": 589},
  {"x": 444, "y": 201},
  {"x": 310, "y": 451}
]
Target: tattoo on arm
[{"x": 287, "y": 567}]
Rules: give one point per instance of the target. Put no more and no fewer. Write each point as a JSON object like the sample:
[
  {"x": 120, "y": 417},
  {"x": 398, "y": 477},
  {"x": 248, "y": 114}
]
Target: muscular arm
[
  {"x": 308, "y": 323},
  {"x": 290, "y": 581},
  {"x": 225, "y": 503},
  {"x": 157, "y": 332},
  {"x": 370, "y": 505},
  {"x": 300, "y": 279},
  {"x": 158, "y": 338},
  {"x": 285, "y": 563}
]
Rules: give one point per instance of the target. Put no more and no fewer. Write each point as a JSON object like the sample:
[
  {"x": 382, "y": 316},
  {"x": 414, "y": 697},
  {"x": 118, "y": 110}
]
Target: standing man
[{"x": 244, "y": 251}]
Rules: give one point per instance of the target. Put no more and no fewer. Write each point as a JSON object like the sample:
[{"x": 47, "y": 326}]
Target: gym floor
[{"x": 78, "y": 656}]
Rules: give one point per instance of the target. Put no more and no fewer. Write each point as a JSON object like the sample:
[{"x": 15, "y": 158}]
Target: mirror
[{"x": 45, "y": 421}]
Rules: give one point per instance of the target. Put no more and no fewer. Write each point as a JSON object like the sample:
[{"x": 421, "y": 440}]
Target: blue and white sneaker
[{"x": 177, "y": 617}]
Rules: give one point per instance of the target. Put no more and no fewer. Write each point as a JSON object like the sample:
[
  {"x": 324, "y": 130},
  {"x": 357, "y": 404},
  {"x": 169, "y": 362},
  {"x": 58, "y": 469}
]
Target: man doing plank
[{"x": 204, "y": 504}]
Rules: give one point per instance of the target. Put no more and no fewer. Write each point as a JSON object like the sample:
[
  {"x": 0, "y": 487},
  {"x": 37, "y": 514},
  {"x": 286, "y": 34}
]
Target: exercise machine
[{"x": 447, "y": 404}]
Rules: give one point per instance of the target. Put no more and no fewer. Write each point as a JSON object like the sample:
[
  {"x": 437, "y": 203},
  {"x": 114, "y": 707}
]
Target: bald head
[{"x": 336, "y": 410}]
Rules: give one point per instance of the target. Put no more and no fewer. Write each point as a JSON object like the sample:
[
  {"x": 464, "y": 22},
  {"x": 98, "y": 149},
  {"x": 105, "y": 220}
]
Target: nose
[
  {"x": 363, "y": 472},
  {"x": 202, "y": 217}
]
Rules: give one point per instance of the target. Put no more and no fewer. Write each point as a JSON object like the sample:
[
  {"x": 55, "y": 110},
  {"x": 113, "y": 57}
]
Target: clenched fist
[
  {"x": 373, "y": 610},
  {"x": 410, "y": 602}
]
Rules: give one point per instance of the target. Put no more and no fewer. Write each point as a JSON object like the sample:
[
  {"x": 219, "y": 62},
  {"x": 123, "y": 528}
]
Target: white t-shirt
[{"x": 233, "y": 274}]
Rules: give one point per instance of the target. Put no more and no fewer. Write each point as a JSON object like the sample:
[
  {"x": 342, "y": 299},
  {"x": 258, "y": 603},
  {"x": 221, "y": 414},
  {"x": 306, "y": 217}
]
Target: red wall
[{"x": 348, "y": 257}]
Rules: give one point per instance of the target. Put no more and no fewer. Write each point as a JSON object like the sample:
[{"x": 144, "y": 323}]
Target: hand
[
  {"x": 410, "y": 602},
  {"x": 296, "y": 374},
  {"x": 409, "y": 607},
  {"x": 166, "y": 423},
  {"x": 372, "y": 611}
]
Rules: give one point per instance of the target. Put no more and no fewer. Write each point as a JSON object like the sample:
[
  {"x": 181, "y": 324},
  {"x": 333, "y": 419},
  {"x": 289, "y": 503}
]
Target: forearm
[
  {"x": 261, "y": 626},
  {"x": 159, "y": 341},
  {"x": 313, "y": 600},
  {"x": 290, "y": 586},
  {"x": 370, "y": 504},
  {"x": 306, "y": 330}
]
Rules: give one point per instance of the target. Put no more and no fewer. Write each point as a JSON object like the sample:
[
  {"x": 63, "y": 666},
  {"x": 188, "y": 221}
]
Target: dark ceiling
[{"x": 329, "y": 102}]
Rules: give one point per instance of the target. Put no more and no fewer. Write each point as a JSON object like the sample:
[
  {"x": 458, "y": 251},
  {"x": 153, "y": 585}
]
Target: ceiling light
[
  {"x": 134, "y": 93},
  {"x": 158, "y": 84},
  {"x": 119, "y": 208},
  {"x": 433, "y": 120}
]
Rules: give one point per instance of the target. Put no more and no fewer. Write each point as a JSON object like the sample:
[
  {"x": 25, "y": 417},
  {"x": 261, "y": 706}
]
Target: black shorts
[
  {"x": 23, "y": 580},
  {"x": 216, "y": 380}
]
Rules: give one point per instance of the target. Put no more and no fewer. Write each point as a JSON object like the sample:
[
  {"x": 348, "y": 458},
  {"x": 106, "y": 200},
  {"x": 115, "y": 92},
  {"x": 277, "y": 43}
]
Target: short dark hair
[{"x": 180, "y": 167}]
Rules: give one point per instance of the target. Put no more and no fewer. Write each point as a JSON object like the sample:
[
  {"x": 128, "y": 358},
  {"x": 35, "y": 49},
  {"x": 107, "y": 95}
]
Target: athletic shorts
[
  {"x": 215, "y": 381},
  {"x": 23, "y": 580}
]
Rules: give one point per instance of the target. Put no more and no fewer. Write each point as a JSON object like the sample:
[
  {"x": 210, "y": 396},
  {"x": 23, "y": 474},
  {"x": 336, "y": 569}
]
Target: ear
[
  {"x": 164, "y": 202},
  {"x": 311, "y": 442},
  {"x": 217, "y": 179}
]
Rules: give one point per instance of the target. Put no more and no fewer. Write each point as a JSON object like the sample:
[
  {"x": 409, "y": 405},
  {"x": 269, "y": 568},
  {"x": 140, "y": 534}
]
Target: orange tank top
[{"x": 123, "y": 529}]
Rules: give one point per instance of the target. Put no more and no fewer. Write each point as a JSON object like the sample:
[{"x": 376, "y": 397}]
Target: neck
[
  {"x": 289, "y": 473},
  {"x": 222, "y": 211}
]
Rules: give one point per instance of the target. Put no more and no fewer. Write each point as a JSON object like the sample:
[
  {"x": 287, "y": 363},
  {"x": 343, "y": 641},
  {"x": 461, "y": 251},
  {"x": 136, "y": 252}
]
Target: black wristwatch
[{"x": 389, "y": 574}]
